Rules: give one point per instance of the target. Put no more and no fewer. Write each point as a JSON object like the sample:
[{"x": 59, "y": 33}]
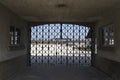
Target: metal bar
[
  {"x": 73, "y": 45},
  {"x": 60, "y": 45},
  {"x": 29, "y": 46},
  {"x": 48, "y": 44},
  {"x": 92, "y": 44},
  {"x": 42, "y": 43}
]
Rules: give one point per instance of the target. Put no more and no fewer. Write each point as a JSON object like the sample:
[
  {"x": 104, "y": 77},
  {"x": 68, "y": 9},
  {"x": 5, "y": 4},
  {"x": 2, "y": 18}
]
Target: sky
[{"x": 52, "y": 31}]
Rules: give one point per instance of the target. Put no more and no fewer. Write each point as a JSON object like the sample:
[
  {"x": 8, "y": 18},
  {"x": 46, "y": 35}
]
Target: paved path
[{"x": 60, "y": 73}]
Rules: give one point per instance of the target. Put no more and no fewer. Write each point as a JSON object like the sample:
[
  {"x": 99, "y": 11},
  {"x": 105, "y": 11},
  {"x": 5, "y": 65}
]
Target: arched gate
[{"x": 61, "y": 44}]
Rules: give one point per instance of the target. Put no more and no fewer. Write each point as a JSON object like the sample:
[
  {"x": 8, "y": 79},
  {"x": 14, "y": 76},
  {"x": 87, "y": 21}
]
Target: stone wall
[
  {"x": 11, "y": 60},
  {"x": 107, "y": 59}
]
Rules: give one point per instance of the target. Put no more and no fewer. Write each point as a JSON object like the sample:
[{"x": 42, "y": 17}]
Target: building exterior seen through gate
[{"x": 61, "y": 44}]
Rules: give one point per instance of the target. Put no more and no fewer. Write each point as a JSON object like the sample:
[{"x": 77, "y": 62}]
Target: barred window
[
  {"x": 108, "y": 35},
  {"x": 14, "y": 36}
]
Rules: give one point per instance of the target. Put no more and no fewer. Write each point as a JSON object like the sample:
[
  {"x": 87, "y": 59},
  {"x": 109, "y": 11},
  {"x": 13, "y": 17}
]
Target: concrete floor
[{"x": 60, "y": 73}]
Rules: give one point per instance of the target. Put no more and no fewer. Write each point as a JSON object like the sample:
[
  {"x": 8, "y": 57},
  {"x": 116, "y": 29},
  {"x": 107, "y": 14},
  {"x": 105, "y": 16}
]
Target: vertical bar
[
  {"x": 56, "y": 53},
  {"x": 29, "y": 46},
  {"x": 82, "y": 56},
  {"x": 67, "y": 51},
  {"x": 56, "y": 48},
  {"x": 60, "y": 31},
  {"x": 79, "y": 45},
  {"x": 85, "y": 46},
  {"x": 48, "y": 44},
  {"x": 67, "y": 46},
  {"x": 92, "y": 44},
  {"x": 36, "y": 44},
  {"x": 73, "y": 44},
  {"x": 60, "y": 42},
  {"x": 42, "y": 43}
]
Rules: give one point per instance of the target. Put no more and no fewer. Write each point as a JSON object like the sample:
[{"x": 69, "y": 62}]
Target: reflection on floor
[{"x": 60, "y": 73}]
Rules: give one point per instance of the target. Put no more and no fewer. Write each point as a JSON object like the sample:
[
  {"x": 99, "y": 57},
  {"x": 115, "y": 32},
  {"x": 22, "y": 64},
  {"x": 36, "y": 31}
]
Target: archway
[{"x": 67, "y": 44}]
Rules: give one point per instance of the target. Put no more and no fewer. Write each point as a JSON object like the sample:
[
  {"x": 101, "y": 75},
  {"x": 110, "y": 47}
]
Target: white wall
[{"x": 7, "y": 19}]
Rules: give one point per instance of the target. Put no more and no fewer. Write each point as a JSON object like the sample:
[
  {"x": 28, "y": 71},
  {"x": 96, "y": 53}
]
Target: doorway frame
[{"x": 88, "y": 24}]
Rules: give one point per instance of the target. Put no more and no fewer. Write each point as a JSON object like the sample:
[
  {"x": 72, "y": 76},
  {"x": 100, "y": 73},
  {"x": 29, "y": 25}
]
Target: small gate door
[{"x": 67, "y": 44}]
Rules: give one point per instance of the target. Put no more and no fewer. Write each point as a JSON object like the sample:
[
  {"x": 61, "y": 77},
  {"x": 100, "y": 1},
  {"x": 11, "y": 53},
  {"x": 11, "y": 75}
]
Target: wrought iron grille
[{"x": 61, "y": 44}]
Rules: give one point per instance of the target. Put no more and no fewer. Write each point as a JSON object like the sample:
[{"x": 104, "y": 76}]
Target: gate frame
[{"x": 88, "y": 24}]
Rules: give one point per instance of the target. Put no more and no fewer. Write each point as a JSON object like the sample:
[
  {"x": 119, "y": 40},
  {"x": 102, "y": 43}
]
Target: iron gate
[{"x": 61, "y": 44}]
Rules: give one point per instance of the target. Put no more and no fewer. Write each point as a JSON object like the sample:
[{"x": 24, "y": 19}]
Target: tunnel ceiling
[{"x": 60, "y": 10}]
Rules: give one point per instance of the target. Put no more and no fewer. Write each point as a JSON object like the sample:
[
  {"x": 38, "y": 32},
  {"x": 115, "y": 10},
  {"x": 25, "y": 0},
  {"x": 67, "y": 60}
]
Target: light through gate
[{"x": 61, "y": 44}]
